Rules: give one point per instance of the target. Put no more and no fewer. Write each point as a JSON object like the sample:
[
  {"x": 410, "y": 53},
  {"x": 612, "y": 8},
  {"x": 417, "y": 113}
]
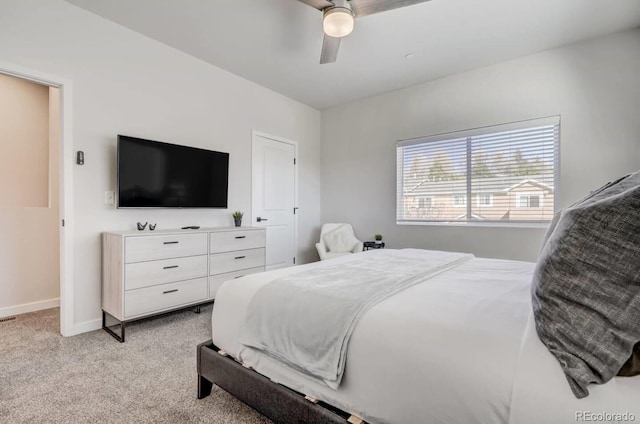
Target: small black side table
[{"x": 372, "y": 245}]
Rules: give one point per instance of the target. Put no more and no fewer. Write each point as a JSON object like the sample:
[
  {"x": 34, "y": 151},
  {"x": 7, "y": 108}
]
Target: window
[
  {"x": 485, "y": 200},
  {"x": 425, "y": 202},
  {"x": 459, "y": 200},
  {"x": 510, "y": 170},
  {"x": 528, "y": 200}
]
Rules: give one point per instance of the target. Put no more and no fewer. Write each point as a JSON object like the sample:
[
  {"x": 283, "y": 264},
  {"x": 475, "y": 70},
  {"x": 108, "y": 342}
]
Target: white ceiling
[{"x": 276, "y": 43}]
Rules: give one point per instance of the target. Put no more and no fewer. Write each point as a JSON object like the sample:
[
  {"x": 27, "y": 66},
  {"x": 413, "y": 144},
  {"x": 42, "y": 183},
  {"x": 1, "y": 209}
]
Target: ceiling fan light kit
[
  {"x": 338, "y": 22},
  {"x": 338, "y": 19}
]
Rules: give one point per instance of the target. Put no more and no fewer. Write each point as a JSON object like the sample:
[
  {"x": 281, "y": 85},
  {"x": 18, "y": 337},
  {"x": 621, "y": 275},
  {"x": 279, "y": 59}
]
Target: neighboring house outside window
[{"x": 509, "y": 171}]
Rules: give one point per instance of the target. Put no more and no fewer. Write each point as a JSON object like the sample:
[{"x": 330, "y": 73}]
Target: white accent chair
[{"x": 337, "y": 239}]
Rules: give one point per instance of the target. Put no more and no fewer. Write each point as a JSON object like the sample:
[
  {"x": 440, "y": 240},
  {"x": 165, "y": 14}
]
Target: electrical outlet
[{"x": 109, "y": 197}]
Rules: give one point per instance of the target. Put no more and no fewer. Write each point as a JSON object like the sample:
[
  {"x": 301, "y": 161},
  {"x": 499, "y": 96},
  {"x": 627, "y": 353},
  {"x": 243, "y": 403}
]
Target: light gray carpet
[{"x": 91, "y": 378}]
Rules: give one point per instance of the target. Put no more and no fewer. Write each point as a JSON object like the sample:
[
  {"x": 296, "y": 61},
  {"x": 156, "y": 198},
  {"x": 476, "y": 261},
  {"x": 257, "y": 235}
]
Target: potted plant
[
  {"x": 237, "y": 218},
  {"x": 378, "y": 238}
]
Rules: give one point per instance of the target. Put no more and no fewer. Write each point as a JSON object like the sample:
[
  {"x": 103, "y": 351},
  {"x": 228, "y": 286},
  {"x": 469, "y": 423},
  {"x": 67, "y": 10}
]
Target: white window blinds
[{"x": 504, "y": 174}]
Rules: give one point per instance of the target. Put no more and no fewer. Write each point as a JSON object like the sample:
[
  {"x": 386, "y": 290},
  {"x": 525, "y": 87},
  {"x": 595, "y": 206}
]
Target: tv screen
[{"x": 152, "y": 174}]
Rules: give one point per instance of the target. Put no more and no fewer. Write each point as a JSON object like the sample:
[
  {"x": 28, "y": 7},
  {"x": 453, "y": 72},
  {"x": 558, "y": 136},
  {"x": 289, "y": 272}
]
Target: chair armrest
[
  {"x": 322, "y": 251},
  {"x": 358, "y": 247}
]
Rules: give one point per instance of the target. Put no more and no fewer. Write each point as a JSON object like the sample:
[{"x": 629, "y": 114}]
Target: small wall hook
[
  {"x": 142, "y": 226},
  {"x": 152, "y": 226}
]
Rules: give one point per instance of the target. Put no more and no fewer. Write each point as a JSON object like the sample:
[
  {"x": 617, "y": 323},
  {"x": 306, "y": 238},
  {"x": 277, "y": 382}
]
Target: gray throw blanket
[{"x": 305, "y": 319}]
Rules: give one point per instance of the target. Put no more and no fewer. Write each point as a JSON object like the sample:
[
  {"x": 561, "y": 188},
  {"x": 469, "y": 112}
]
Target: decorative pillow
[
  {"x": 340, "y": 239},
  {"x": 586, "y": 286}
]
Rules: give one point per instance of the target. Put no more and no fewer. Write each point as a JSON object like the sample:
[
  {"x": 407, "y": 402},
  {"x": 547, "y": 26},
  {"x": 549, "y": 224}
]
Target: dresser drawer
[
  {"x": 143, "y": 274},
  {"x": 165, "y": 296},
  {"x": 225, "y": 241},
  {"x": 215, "y": 281},
  {"x": 150, "y": 248},
  {"x": 220, "y": 263}
]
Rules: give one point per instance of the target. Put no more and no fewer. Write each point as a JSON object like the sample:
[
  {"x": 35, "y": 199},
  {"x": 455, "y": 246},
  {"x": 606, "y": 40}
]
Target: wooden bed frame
[{"x": 276, "y": 402}]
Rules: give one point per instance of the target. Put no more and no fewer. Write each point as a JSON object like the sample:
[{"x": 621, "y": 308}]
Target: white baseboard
[
  {"x": 78, "y": 328},
  {"x": 29, "y": 307},
  {"x": 86, "y": 326}
]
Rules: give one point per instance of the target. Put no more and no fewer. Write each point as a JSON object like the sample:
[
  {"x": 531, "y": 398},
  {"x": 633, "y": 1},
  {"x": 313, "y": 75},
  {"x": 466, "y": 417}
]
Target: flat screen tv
[{"x": 152, "y": 174}]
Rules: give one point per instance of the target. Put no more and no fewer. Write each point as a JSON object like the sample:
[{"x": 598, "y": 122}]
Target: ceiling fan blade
[
  {"x": 369, "y": 7},
  {"x": 317, "y": 4},
  {"x": 330, "y": 46}
]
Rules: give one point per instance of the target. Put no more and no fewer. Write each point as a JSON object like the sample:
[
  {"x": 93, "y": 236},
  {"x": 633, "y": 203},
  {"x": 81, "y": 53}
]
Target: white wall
[
  {"x": 29, "y": 211},
  {"x": 593, "y": 85},
  {"x": 126, "y": 83}
]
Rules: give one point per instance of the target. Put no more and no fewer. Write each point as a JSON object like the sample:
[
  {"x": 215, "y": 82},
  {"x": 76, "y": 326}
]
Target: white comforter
[{"x": 458, "y": 348}]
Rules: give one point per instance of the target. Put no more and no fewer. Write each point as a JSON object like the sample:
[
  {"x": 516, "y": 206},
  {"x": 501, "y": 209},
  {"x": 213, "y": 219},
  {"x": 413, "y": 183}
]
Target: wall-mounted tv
[{"x": 152, "y": 174}]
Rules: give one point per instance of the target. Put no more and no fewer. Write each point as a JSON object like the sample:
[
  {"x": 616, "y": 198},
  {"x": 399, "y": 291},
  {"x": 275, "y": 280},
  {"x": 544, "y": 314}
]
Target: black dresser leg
[{"x": 120, "y": 337}]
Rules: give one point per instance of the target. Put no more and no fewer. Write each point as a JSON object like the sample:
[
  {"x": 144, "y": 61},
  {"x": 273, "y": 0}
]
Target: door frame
[
  {"x": 65, "y": 178},
  {"x": 254, "y": 134}
]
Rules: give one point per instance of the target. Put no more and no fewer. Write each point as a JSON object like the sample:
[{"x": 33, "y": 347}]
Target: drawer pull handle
[
  {"x": 239, "y": 237},
  {"x": 170, "y": 291},
  {"x": 171, "y": 242},
  {"x": 169, "y": 267},
  {"x": 240, "y": 257},
  {"x": 238, "y": 276}
]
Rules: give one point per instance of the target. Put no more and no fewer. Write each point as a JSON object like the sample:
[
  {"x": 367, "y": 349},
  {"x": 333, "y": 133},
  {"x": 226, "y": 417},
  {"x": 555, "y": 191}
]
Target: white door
[{"x": 273, "y": 197}]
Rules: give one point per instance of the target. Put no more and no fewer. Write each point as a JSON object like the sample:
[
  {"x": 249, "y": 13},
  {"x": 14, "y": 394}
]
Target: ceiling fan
[{"x": 338, "y": 17}]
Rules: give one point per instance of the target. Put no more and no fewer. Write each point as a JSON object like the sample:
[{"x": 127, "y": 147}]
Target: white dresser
[{"x": 146, "y": 273}]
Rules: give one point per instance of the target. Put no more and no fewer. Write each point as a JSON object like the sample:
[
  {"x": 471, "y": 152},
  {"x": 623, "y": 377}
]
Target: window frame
[{"x": 554, "y": 121}]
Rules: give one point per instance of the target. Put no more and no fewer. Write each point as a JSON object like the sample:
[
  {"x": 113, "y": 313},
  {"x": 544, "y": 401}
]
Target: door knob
[{"x": 261, "y": 219}]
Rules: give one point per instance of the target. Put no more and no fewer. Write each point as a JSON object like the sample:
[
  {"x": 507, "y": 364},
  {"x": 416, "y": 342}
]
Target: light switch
[{"x": 108, "y": 197}]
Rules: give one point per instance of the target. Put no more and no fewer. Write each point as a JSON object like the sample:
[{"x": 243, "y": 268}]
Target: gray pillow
[{"x": 586, "y": 286}]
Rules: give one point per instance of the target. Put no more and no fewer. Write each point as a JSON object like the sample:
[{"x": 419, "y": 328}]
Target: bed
[{"x": 459, "y": 347}]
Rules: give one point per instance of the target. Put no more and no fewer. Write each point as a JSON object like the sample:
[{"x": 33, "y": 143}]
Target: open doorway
[{"x": 35, "y": 114}]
